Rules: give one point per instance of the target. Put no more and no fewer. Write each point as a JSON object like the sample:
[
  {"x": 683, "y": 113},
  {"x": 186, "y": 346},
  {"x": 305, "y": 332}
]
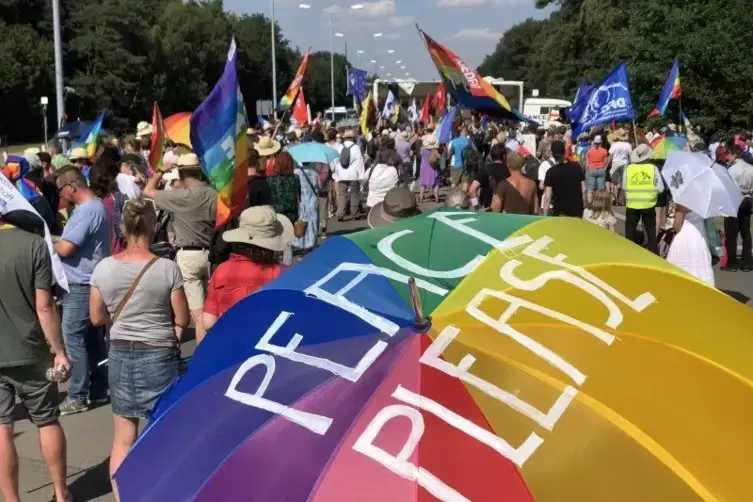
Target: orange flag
[
  {"x": 158, "y": 141},
  {"x": 300, "y": 111}
]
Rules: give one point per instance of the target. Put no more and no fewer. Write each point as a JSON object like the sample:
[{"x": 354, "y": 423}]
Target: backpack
[
  {"x": 531, "y": 168},
  {"x": 345, "y": 156},
  {"x": 470, "y": 159}
]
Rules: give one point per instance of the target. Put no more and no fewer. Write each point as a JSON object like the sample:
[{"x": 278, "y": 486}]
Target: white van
[{"x": 545, "y": 109}]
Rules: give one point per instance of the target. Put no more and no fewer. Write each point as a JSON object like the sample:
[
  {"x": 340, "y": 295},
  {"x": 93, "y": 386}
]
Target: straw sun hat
[
  {"x": 78, "y": 153},
  {"x": 267, "y": 146},
  {"x": 261, "y": 226},
  {"x": 143, "y": 129}
]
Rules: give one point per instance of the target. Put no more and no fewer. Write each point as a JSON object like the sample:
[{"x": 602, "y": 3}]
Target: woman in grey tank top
[{"x": 141, "y": 296}]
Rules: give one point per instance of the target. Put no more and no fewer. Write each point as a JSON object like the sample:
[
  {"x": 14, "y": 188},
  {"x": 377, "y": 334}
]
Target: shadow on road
[
  {"x": 92, "y": 483},
  {"x": 744, "y": 299}
]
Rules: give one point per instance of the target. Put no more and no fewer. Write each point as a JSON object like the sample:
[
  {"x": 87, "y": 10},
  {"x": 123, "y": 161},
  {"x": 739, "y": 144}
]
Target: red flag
[
  {"x": 440, "y": 99},
  {"x": 158, "y": 141},
  {"x": 426, "y": 109},
  {"x": 300, "y": 111}
]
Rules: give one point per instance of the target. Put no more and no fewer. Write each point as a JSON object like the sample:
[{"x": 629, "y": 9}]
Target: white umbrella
[{"x": 701, "y": 185}]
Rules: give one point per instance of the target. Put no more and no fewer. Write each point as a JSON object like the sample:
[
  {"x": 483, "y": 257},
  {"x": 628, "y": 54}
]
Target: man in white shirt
[
  {"x": 742, "y": 174},
  {"x": 619, "y": 157},
  {"x": 348, "y": 177}
]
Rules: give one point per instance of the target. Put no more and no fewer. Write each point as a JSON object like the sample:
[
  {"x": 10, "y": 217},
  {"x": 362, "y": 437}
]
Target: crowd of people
[{"x": 144, "y": 260}]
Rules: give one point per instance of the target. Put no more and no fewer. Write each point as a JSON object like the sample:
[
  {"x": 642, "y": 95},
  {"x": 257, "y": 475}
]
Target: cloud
[
  {"x": 473, "y": 3},
  {"x": 479, "y": 34},
  {"x": 380, "y": 8},
  {"x": 400, "y": 21}
]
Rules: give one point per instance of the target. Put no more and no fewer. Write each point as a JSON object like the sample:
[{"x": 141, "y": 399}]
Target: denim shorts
[
  {"x": 596, "y": 179},
  {"x": 138, "y": 377}
]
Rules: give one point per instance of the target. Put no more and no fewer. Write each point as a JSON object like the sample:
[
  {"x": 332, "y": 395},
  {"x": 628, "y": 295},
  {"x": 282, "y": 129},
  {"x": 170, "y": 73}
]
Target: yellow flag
[{"x": 365, "y": 116}]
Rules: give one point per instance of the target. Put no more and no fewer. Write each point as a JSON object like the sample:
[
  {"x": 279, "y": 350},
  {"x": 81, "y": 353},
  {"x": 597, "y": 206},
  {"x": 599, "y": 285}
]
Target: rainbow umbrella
[
  {"x": 662, "y": 145},
  {"x": 560, "y": 363},
  {"x": 178, "y": 128}
]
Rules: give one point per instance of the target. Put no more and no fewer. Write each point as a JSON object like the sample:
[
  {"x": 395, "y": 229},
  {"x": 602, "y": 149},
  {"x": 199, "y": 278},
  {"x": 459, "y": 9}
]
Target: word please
[{"x": 411, "y": 405}]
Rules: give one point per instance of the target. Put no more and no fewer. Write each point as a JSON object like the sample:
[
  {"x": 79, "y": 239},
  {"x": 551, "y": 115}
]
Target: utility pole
[{"x": 59, "y": 97}]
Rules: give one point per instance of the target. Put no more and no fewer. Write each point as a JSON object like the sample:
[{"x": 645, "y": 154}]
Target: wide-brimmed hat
[
  {"x": 251, "y": 131},
  {"x": 597, "y": 139},
  {"x": 78, "y": 153},
  {"x": 267, "y": 146},
  {"x": 143, "y": 129},
  {"x": 189, "y": 161},
  {"x": 32, "y": 151},
  {"x": 399, "y": 203},
  {"x": 261, "y": 226},
  {"x": 620, "y": 134},
  {"x": 642, "y": 153},
  {"x": 349, "y": 134},
  {"x": 430, "y": 142}
]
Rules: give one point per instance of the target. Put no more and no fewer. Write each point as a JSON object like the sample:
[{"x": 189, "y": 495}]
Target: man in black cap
[{"x": 565, "y": 185}]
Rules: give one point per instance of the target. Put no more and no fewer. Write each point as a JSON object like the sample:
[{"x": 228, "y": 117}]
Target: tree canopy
[
  {"x": 585, "y": 39},
  {"x": 122, "y": 55}
]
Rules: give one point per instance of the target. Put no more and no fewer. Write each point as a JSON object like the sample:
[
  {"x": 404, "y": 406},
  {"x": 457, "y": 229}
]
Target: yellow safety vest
[{"x": 640, "y": 187}]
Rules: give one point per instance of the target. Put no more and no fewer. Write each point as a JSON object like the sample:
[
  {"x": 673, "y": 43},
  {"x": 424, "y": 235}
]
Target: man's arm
[
  {"x": 150, "y": 190},
  {"x": 546, "y": 201},
  {"x": 49, "y": 320},
  {"x": 65, "y": 248},
  {"x": 659, "y": 180}
]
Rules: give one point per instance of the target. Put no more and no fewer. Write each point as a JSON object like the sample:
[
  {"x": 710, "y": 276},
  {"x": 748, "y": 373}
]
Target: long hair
[
  {"x": 139, "y": 218},
  {"x": 602, "y": 202},
  {"x": 102, "y": 177},
  {"x": 261, "y": 256},
  {"x": 284, "y": 165}
]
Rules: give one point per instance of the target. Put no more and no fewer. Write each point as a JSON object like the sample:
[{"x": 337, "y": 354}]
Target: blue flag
[
  {"x": 357, "y": 83},
  {"x": 580, "y": 97},
  {"x": 444, "y": 131},
  {"x": 609, "y": 101}
]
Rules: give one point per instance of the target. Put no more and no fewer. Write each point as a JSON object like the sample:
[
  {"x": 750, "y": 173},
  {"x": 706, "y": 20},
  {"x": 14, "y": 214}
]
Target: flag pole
[
  {"x": 681, "y": 123},
  {"x": 635, "y": 133}
]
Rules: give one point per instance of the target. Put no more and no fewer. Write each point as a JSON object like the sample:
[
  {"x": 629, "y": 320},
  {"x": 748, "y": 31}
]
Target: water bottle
[{"x": 58, "y": 375}]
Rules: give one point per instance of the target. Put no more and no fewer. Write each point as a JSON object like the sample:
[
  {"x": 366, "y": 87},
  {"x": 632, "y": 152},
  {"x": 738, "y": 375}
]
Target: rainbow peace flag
[
  {"x": 466, "y": 86},
  {"x": 16, "y": 168},
  {"x": 289, "y": 98},
  {"x": 91, "y": 138},
  {"x": 671, "y": 90},
  {"x": 218, "y": 136},
  {"x": 158, "y": 140}
]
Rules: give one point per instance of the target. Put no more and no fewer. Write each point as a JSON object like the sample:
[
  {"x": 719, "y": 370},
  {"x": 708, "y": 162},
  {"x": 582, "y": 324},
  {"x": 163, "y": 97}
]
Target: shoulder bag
[{"x": 133, "y": 287}]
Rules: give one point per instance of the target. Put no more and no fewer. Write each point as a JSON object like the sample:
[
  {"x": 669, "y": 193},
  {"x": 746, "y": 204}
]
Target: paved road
[{"x": 89, "y": 434}]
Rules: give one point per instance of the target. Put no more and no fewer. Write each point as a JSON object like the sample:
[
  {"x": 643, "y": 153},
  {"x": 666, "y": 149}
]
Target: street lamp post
[
  {"x": 59, "y": 97},
  {"x": 274, "y": 63},
  {"x": 44, "y": 102},
  {"x": 360, "y": 53},
  {"x": 332, "y": 65}
]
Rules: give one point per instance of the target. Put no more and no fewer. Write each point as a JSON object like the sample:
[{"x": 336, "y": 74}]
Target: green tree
[
  {"x": 25, "y": 59},
  {"x": 317, "y": 81},
  {"x": 585, "y": 39}
]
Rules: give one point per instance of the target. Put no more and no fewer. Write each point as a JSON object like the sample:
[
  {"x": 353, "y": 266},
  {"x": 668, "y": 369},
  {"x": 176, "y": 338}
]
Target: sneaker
[
  {"x": 71, "y": 407},
  {"x": 99, "y": 401},
  {"x": 746, "y": 268},
  {"x": 730, "y": 268}
]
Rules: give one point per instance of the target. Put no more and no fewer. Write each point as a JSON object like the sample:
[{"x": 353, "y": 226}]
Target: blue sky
[{"x": 471, "y": 28}]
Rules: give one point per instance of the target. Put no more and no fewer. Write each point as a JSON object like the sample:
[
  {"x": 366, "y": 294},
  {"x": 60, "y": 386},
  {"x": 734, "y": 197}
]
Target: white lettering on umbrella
[
  {"x": 338, "y": 298},
  {"x": 502, "y": 326},
  {"x": 288, "y": 352},
  {"x": 535, "y": 251},
  {"x": 385, "y": 247},
  {"x": 460, "y": 226},
  {"x": 518, "y": 455},
  {"x": 506, "y": 273},
  {"x": 433, "y": 358},
  {"x": 400, "y": 464},
  {"x": 315, "y": 423}
]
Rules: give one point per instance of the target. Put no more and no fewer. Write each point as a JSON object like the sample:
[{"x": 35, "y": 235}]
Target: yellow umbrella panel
[{"x": 607, "y": 373}]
